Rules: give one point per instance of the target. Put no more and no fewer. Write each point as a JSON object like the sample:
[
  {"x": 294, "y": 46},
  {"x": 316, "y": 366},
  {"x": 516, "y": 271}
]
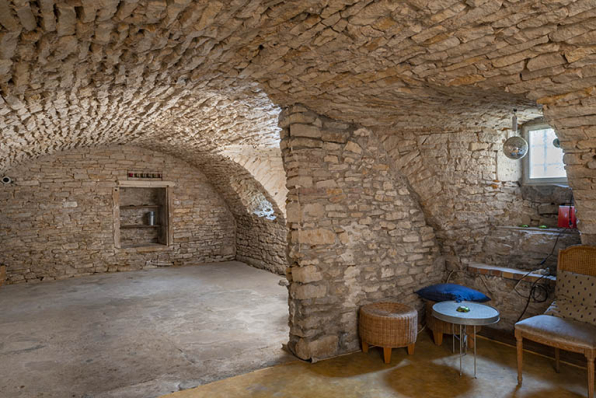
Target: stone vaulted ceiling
[{"x": 193, "y": 77}]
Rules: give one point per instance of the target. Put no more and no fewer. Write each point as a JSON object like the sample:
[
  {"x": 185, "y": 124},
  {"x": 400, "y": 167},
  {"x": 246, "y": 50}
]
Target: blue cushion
[{"x": 451, "y": 291}]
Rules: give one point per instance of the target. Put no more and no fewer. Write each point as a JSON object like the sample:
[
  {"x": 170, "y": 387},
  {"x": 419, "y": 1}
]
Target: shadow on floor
[
  {"x": 433, "y": 380},
  {"x": 431, "y": 372}
]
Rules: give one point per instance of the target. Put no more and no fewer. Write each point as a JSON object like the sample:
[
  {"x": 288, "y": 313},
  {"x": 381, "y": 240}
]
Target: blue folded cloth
[{"x": 451, "y": 292}]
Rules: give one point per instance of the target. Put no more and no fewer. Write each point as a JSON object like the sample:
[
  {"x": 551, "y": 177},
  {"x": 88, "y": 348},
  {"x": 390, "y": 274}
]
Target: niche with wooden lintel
[{"x": 142, "y": 215}]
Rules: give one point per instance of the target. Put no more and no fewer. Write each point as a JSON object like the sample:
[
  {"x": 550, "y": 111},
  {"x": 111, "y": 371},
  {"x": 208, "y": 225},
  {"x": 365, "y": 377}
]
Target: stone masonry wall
[
  {"x": 455, "y": 176},
  {"x": 357, "y": 234},
  {"x": 574, "y": 118},
  {"x": 56, "y": 219},
  {"x": 261, "y": 242}
]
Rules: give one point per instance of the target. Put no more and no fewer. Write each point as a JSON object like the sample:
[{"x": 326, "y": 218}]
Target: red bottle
[{"x": 567, "y": 217}]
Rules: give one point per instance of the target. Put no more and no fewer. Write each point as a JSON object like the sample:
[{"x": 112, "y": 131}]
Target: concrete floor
[
  {"x": 432, "y": 372},
  {"x": 140, "y": 334}
]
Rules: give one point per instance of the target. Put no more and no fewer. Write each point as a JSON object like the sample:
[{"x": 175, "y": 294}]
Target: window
[{"x": 544, "y": 163}]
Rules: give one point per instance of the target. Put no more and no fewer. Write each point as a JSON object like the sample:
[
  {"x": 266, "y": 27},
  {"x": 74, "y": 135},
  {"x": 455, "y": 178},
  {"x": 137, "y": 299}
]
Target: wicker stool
[
  {"x": 439, "y": 327},
  {"x": 388, "y": 325}
]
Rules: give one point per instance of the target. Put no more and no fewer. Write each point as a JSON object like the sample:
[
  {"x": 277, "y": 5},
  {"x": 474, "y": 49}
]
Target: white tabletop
[{"x": 480, "y": 314}]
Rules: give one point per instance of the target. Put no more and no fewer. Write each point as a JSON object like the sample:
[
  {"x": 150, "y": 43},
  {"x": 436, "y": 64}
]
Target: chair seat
[{"x": 559, "y": 330}]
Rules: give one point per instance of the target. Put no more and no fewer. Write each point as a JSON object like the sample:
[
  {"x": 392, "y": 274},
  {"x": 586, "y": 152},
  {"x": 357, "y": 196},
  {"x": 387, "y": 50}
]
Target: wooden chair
[{"x": 563, "y": 333}]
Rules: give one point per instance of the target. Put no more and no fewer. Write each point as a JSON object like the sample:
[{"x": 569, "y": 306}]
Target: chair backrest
[{"x": 578, "y": 259}]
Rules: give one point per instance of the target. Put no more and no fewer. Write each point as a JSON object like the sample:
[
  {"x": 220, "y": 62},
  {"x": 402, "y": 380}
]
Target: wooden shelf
[
  {"x": 148, "y": 246},
  {"x": 131, "y": 226},
  {"x": 139, "y": 207}
]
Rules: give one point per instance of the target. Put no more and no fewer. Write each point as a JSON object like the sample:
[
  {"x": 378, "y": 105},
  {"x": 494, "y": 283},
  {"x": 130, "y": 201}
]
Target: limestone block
[
  {"x": 353, "y": 147},
  {"x": 323, "y": 347},
  {"x": 545, "y": 61},
  {"x": 314, "y": 210},
  {"x": 293, "y": 212},
  {"x": 319, "y": 236},
  {"x": 67, "y": 19},
  {"x": 308, "y": 291},
  {"x": 306, "y": 274},
  {"x": 305, "y": 130}
]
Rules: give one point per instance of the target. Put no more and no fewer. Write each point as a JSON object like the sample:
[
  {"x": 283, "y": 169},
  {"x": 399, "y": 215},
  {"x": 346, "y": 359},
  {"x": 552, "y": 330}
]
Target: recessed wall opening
[{"x": 142, "y": 216}]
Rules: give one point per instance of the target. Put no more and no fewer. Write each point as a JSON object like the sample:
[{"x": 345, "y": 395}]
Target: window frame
[{"x": 526, "y": 180}]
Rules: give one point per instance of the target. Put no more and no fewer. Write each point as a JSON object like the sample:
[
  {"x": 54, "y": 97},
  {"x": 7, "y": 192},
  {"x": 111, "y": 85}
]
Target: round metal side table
[{"x": 479, "y": 315}]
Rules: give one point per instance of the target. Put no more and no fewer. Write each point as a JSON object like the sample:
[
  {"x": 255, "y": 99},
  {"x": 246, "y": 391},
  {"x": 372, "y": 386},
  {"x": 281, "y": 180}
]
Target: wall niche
[{"x": 142, "y": 213}]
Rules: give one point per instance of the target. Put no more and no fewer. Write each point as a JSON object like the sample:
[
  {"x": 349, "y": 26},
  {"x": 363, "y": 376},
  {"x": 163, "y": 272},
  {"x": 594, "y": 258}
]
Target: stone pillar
[
  {"x": 356, "y": 234},
  {"x": 575, "y": 124}
]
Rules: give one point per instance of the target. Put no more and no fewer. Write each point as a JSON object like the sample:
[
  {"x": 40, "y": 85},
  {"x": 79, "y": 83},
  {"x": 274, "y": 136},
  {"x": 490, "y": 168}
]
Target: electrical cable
[
  {"x": 535, "y": 286},
  {"x": 532, "y": 296},
  {"x": 449, "y": 276}
]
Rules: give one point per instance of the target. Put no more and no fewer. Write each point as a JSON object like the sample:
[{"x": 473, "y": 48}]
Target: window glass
[{"x": 546, "y": 161}]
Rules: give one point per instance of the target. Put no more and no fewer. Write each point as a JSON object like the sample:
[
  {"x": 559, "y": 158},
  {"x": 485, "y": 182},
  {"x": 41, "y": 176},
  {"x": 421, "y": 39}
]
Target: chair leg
[
  {"x": 411, "y": 349},
  {"x": 591, "y": 377},
  {"x": 364, "y": 346},
  {"x": 438, "y": 338},
  {"x": 387, "y": 354},
  {"x": 557, "y": 360},
  {"x": 520, "y": 359},
  {"x": 470, "y": 342}
]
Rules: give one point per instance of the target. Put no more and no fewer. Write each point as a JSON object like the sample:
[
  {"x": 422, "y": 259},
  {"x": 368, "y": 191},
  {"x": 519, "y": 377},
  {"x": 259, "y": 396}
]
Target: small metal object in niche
[{"x": 151, "y": 218}]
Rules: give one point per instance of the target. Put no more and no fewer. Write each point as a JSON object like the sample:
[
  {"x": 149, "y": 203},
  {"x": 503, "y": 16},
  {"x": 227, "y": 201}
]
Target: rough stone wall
[
  {"x": 262, "y": 243},
  {"x": 574, "y": 118},
  {"x": 455, "y": 176},
  {"x": 526, "y": 248},
  {"x": 56, "y": 220},
  {"x": 357, "y": 234}
]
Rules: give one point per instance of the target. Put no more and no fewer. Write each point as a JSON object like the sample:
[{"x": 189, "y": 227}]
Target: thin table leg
[
  {"x": 460, "y": 349},
  {"x": 474, "y": 351},
  {"x": 453, "y": 335}
]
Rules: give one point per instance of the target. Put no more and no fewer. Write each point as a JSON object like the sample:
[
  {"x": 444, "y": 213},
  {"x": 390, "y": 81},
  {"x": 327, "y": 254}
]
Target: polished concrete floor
[
  {"x": 432, "y": 372},
  {"x": 140, "y": 334}
]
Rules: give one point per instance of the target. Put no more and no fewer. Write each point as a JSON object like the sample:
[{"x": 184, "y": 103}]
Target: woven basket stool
[
  {"x": 439, "y": 327},
  {"x": 388, "y": 325}
]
